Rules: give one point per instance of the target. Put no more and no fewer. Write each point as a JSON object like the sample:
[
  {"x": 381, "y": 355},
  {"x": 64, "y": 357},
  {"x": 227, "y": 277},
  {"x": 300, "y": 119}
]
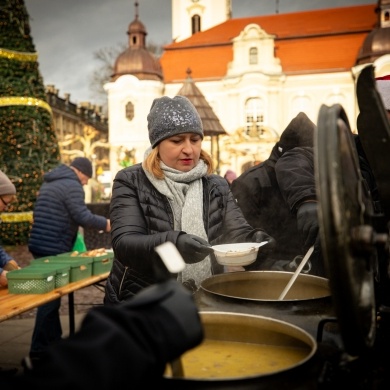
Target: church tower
[
  {"x": 137, "y": 79},
  {"x": 192, "y": 16}
]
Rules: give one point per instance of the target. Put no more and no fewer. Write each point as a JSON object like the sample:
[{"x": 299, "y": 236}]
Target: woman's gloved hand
[
  {"x": 193, "y": 248},
  {"x": 307, "y": 223},
  {"x": 267, "y": 249}
]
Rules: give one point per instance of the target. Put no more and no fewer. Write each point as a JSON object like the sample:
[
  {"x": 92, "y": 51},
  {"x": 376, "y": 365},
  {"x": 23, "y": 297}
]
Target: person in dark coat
[
  {"x": 172, "y": 196},
  {"x": 7, "y": 196},
  {"x": 118, "y": 344},
  {"x": 59, "y": 211},
  {"x": 279, "y": 194}
]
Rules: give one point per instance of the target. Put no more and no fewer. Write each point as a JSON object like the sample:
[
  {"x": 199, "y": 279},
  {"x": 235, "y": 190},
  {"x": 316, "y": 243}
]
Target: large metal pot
[
  {"x": 256, "y": 292},
  {"x": 260, "y": 332}
]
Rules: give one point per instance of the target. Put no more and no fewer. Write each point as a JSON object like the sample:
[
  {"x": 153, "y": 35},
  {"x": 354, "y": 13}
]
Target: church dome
[
  {"x": 136, "y": 60},
  {"x": 377, "y": 42}
]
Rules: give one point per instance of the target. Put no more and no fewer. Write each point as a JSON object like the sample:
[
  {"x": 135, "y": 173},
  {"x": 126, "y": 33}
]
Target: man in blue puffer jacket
[{"x": 58, "y": 212}]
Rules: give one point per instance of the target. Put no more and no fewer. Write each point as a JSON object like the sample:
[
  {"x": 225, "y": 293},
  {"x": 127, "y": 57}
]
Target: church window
[
  {"x": 195, "y": 22},
  {"x": 253, "y": 56},
  {"x": 254, "y": 117},
  {"x": 130, "y": 111},
  {"x": 385, "y": 18}
]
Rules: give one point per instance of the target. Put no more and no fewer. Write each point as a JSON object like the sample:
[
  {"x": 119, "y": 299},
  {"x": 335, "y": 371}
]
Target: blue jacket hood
[{"x": 60, "y": 172}]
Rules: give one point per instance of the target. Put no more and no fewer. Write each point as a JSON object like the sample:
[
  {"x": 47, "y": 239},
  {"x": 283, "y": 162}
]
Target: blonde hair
[{"x": 152, "y": 163}]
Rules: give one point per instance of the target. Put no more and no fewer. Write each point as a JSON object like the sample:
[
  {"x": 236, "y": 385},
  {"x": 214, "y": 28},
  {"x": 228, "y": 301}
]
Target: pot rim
[{"x": 246, "y": 275}]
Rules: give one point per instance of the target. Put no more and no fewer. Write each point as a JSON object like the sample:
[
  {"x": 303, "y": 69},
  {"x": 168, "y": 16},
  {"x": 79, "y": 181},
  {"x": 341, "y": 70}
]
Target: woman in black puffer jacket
[{"x": 172, "y": 196}]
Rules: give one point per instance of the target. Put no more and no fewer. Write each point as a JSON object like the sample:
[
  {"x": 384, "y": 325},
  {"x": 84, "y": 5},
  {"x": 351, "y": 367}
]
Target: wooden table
[{"x": 13, "y": 304}]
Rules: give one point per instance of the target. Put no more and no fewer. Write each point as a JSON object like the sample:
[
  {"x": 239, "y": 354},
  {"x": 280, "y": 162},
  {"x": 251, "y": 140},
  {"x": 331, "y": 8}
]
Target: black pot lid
[{"x": 345, "y": 229}]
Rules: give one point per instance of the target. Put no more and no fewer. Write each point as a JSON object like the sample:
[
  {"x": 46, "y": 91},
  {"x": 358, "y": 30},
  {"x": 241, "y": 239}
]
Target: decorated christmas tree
[{"x": 28, "y": 143}]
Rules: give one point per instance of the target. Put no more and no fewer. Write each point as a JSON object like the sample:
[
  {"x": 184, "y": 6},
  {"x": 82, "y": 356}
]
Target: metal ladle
[{"x": 296, "y": 273}]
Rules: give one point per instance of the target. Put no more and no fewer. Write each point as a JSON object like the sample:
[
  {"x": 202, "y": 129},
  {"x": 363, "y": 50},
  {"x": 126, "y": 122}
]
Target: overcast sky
[{"x": 67, "y": 33}]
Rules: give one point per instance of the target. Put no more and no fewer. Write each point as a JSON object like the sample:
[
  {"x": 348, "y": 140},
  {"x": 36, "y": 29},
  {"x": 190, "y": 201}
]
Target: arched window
[
  {"x": 254, "y": 117},
  {"x": 195, "y": 22},
  {"x": 385, "y": 18},
  {"x": 130, "y": 111},
  {"x": 253, "y": 56}
]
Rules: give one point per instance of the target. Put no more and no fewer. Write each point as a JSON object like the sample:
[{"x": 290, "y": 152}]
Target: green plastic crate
[
  {"x": 101, "y": 263},
  {"x": 31, "y": 280},
  {"x": 80, "y": 268},
  {"x": 62, "y": 272}
]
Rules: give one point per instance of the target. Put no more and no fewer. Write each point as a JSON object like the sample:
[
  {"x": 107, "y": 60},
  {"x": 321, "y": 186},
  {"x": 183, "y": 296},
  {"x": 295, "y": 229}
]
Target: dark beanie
[
  {"x": 168, "y": 117},
  {"x": 6, "y": 185},
  {"x": 299, "y": 132},
  {"x": 83, "y": 165}
]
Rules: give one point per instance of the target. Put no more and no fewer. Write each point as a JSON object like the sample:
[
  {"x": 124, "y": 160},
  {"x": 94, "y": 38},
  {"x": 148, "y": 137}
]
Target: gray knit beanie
[
  {"x": 6, "y": 185},
  {"x": 299, "y": 132},
  {"x": 168, "y": 117}
]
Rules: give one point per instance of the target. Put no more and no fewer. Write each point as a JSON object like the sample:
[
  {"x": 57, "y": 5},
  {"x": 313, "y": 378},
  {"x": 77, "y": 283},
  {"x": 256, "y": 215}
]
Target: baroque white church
[{"x": 256, "y": 73}]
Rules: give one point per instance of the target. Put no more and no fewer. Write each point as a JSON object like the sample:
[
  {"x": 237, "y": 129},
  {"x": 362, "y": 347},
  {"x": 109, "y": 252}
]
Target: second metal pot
[{"x": 256, "y": 292}]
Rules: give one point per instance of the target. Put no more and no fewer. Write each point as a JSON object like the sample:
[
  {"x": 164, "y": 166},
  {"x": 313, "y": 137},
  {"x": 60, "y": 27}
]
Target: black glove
[
  {"x": 307, "y": 222},
  {"x": 173, "y": 309},
  {"x": 193, "y": 248},
  {"x": 267, "y": 249}
]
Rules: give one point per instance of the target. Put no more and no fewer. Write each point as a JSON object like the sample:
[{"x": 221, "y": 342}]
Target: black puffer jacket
[
  {"x": 142, "y": 218},
  {"x": 58, "y": 212},
  {"x": 270, "y": 193},
  {"x": 259, "y": 196}
]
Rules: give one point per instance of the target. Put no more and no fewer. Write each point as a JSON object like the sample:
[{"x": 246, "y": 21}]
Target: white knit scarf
[{"x": 185, "y": 193}]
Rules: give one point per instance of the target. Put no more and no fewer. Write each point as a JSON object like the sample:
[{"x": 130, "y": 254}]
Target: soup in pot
[{"x": 214, "y": 359}]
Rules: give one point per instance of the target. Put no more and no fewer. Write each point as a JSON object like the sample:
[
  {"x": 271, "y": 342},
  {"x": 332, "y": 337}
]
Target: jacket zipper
[{"x": 123, "y": 278}]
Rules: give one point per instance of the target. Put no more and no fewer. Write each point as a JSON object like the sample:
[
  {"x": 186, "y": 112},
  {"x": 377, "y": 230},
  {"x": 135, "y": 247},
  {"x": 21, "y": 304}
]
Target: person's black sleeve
[
  {"x": 295, "y": 176},
  {"x": 128, "y": 343}
]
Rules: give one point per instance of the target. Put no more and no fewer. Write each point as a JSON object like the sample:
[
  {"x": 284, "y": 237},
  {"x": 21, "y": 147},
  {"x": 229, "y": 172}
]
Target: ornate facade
[{"x": 256, "y": 73}]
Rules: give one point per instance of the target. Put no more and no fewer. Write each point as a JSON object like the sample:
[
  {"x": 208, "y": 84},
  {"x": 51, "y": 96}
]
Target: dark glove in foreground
[
  {"x": 307, "y": 222},
  {"x": 193, "y": 248},
  {"x": 132, "y": 340}
]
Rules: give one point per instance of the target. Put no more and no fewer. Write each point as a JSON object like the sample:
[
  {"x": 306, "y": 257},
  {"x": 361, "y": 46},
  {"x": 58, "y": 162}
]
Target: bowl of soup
[{"x": 237, "y": 254}]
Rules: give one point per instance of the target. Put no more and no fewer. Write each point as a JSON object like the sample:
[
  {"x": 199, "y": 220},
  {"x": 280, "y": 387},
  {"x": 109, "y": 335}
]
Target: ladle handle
[
  {"x": 296, "y": 273},
  {"x": 172, "y": 262}
]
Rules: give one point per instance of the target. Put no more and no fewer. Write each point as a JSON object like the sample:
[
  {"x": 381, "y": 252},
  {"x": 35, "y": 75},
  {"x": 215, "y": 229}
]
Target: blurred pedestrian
[
  {"x": 230, "y": 176},
  {"x": 383, "y": 87},
  {"x": 7, "y": 196},
  {"x": 59, "y": 211}
]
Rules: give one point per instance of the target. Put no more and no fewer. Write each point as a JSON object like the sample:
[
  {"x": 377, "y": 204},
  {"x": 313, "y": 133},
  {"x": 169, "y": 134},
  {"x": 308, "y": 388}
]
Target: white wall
[
  {"x": 133, "y": 133},
  {"x": 212, "y": 13},
  {"x": 283, "y": 95}
]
